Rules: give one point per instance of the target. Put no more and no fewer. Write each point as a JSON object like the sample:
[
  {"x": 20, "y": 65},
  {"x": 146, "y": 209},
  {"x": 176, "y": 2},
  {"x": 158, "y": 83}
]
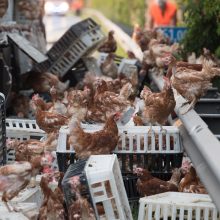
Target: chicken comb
[
  {"x": 117, "y": 113},
  {"x": 137, "y": 169},
  {"x": 166, "y": 54},
  {"x": 75, "y": 180},
  {"x": 166, "y": 78},
  {"x": 35, "y": 97}
]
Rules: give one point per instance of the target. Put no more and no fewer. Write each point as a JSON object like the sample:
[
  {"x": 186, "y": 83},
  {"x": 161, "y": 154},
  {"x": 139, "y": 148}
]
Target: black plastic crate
[
  {"x": 154, "y": 162},
  {"x": 3, "y": 151},
  {"x": 76, "y": 169},
  {"x": 212, "y": 93},
  {"x": 64, "y": 160},
  {"x": 208, "y": 106},
  {"x": 81, "y": 39},
  {"x": 130, "y": 183},
  {"x": 160, "y": 166}
]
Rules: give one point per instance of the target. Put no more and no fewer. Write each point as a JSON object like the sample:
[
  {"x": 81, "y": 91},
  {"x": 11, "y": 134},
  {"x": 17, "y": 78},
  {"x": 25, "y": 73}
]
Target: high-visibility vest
[
  {"x": 77, "y": 4},
  {"x": 159, "y": 18}
]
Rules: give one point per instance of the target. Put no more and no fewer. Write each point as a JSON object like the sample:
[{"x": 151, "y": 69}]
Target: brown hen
[
  {"x": 17, "y": 176},
  {"x": 148, "y": 185},
  {"x": 80, "y": 209},
  {"x": 191, "y": 183},
  {"x": 45, "y": 106},
  {"x": 110, "y": 45},
  {"x": 20, "y": 105},
  {"x": 58, "y": 106},
  {"x": 193, "y": 84},
  {"x": 78, "y": 101},
  {"x": 52, "y": 206},
  {"x": 143, "y": 37},
  {"x": 48, "y": 121},
  {"x": 106, "y": 103},
  {"x": 42, "y": 82},
  {"x": 28, "y": 149},
  {"x": 100, "y": 142},
  {"x": 109, "y": 67},
  {"x": 158, "y": 106}
]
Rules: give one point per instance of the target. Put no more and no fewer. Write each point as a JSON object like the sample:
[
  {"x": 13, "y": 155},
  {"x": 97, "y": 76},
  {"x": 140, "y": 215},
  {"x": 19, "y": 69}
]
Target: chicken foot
[
  {"x": 10, "y": 207},
  {"x": 163, "y": 130},
  {"x": 185, "y": 103},
  {"x": 32, "y": 182},
  {"x": 191, "y": 106},
  {"x": 151, "y": 131},
  {"x": 7, "y": 206}
]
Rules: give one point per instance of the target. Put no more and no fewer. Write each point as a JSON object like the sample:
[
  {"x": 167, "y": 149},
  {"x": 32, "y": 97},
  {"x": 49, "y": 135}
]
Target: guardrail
[{"x": 199, "y": 142}]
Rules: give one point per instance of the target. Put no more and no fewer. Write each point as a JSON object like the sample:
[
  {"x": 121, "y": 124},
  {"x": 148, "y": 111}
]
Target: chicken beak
[
  {"x": 138, "y": 171},
  {"x": 117, "y": 116},
  {"x": 135, "y": 170}
]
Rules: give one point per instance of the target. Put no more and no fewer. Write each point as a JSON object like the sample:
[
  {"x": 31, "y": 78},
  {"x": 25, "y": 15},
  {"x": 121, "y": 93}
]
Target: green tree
[{"x": 202, "y": 18}]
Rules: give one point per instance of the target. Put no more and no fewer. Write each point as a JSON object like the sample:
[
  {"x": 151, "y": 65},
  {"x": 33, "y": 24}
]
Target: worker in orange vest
[
  {"x": 77, "y": 6},
  {"x": 162, "y": 13}
]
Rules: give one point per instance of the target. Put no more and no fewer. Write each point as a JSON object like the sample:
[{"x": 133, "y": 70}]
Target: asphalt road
[{"x": 56, "y": 26}]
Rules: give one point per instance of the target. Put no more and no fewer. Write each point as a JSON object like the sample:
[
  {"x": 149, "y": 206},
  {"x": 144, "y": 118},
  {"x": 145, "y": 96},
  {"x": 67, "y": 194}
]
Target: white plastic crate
[
  {"x": 127, "y": 66},
  {"x": 174, "y": 205},
  {"x": 29, "y": 195},
  {"x": 106, "y": 187},
  {"x": 21, "y": 129},
  {"x": 133, "y": 139},
  {"x": 12, "y": 216},
  {"x": 101, "y": 58},
  {"x": 137, "y": 139},
  {"x": 24, "y": 211}
]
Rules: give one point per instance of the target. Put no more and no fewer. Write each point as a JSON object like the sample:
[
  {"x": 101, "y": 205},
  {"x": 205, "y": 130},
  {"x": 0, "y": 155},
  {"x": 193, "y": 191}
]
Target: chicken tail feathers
[
  {"x": 207, "y": 66},
  {"x": 126, "y": 90},
  {"x": 74, "y": 124}
]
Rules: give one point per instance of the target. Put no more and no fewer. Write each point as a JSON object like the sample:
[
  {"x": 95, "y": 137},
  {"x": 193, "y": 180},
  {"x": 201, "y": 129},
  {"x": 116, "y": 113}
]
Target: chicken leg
[
  {"x": 151, "y": 131},
  {"x": 163, "y": 130},
  {"x": 32, "y": 182},
  {"x": 191, "y": 106},
  {"x": 185, "y": 103},
  {"x": 7, "y": 206}
]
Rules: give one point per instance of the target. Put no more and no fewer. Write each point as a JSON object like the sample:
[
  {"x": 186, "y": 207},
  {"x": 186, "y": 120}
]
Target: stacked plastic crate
[
  {"x": 156, "y": 151},
  {"x": 103, "y": 186}
]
